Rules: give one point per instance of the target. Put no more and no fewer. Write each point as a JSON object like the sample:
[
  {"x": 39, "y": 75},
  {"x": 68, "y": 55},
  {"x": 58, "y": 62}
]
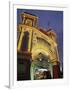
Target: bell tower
[{"x": 29, "y": 19}]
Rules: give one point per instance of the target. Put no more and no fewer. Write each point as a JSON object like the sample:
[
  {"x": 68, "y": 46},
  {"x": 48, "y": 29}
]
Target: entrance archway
[{"x": 41, "y": 67}]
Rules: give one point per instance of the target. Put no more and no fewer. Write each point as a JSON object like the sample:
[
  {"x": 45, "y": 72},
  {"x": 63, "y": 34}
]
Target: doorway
[{"x": 41, "y": 68}]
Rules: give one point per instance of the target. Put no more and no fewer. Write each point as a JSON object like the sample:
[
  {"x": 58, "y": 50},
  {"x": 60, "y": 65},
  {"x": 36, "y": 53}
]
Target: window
[{"x": 28, "y": 22}]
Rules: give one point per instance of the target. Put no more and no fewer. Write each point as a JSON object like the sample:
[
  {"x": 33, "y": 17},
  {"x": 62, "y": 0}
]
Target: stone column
[{"x": 56, "y": 70}]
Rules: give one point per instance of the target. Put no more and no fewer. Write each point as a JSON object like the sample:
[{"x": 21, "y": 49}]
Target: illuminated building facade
[{"x": 37, "y": 53}]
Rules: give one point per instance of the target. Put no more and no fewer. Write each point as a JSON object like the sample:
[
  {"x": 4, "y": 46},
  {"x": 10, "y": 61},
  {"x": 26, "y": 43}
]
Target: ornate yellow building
[{"x": 37, "y": 54}]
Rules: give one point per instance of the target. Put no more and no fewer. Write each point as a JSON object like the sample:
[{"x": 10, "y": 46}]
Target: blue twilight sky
[{"x": 55, "y": 18}]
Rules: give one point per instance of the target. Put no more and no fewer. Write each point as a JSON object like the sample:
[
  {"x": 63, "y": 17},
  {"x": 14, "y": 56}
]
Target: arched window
[{"x": 25, "y": 41}]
